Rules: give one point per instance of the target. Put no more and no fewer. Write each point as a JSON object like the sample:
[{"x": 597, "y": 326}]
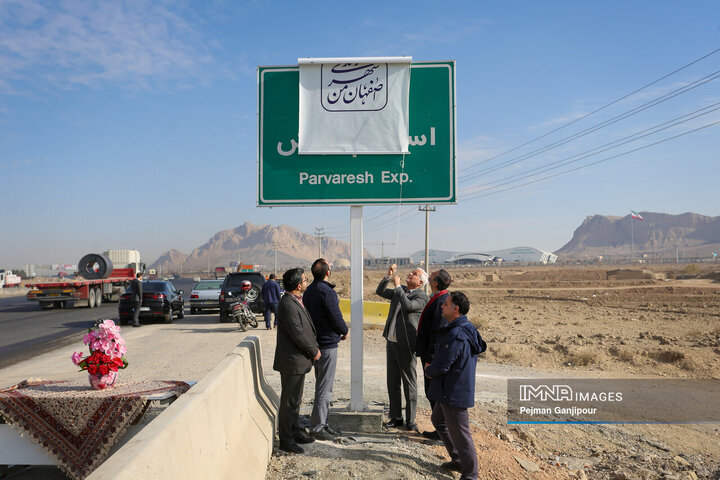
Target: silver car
[{"x": 205, "y": 295}]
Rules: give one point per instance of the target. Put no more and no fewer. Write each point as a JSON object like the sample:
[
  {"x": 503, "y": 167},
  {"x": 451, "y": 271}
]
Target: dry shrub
[
  {"x": 667, "y": 356},
  {"x": 695, "y": 334},
  {"x": 688, "y": 364},
  {"x": 502, "y": 351},
  {"x": 716, "y": 330},
  {"x": 622, "y": 354},
  {"x": 481, "y": 323},
  {"x": 582, "y": 357}
]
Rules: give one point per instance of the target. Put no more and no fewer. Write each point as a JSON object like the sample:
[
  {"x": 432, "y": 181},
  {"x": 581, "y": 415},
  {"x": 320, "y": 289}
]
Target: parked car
[
  {"x": 232, "y": 284},
  {"x": 160, "y": 300},
  {"x": 205, "y": 296}
]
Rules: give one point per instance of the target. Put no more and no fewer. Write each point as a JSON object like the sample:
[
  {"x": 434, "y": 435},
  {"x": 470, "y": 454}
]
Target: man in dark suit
[
  {"x": 406, "y": 305},
  {"x": 295, "y": 351},
  {"x": 136, "y": 289}
]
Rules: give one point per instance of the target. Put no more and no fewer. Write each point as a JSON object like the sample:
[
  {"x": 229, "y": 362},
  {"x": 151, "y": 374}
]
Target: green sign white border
[{"x": 450, "y": 199}]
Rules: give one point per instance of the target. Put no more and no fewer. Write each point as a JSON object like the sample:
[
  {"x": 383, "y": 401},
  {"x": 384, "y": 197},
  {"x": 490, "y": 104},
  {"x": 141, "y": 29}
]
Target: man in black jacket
[
  {"x": 295, "y": 352},
  {"x": 136, "y": 289},
  {"x": 322, "y": 302}
]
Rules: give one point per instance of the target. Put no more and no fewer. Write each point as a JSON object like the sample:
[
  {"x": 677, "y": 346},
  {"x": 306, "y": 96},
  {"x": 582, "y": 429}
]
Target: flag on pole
[{"x": 636, "y": 215}]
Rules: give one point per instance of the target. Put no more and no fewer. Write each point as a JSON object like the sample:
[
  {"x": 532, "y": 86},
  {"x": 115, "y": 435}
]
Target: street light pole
[
  {"x": 275, "y": 247},
  {"x": 320, "y": 232}
]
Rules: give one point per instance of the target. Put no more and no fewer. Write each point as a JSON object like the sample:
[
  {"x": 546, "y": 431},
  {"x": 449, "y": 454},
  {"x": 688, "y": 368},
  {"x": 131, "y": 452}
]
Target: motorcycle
[{"x": 240, "y": 310}]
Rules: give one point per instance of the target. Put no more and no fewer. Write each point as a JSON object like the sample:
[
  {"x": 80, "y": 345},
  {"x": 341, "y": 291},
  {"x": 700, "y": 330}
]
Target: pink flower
[
  {"x": 76, "y": 357},
  {"x": 108, "y": 324},
  {"x": 107, "y": 348}
]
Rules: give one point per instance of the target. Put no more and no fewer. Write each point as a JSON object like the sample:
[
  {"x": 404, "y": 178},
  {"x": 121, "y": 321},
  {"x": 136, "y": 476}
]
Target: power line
[
  {"x": 593, "y": 112},
  {"x": 597, "y": 127},
  {"x": 602, "y": 148},
  {"x": 481, "y": 194}
]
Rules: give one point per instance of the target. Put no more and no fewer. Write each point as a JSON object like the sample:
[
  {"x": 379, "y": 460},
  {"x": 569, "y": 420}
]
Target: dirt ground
[{"x": 559, "y": 319}]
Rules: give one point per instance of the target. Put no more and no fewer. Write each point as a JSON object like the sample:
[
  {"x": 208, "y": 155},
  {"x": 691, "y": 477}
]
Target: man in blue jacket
[
  {"x": 330, "y": 328},
  {"x": 271, "y": 297},
  {"x": 453, "y": 384}
]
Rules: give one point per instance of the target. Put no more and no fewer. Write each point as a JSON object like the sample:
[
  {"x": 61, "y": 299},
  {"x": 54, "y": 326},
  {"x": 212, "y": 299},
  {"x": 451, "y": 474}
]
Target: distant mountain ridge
[
  {"x": 253, "y": 244},
  {"x": 688, "y": 234}
]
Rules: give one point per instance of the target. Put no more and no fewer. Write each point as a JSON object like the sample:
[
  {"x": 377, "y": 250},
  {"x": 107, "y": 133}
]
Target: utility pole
[
  {"x": 652, "y": 228},
  {"x": 275, "y": 247},
  {"x": 427, "y": 209},
  {"x": 320, "y": 233}
]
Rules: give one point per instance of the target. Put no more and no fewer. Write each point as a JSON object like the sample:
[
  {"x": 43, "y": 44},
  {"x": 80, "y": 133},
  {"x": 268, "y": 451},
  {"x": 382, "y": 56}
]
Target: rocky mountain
[
  {"x": 687, "y": 235},
  {"x": 254, "y": 244}
]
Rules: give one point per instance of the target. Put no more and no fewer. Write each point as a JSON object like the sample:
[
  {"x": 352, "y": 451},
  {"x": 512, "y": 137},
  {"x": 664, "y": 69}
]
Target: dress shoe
[
  {"x": 431, "y": 434},
  {"x": 453, "y": 466},
  {"x": 332, "y": 431},
  {"x": 412, "y": 426},
  {"x": 323, "y": 434},
  {"x": 291, "y": 448},
  {"x": 302, "y": 438},
  {"x": 394, "y": 423}
]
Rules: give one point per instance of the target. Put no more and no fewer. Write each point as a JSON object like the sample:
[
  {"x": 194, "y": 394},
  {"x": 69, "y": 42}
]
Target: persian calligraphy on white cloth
[{"x": 354, "y": 105}]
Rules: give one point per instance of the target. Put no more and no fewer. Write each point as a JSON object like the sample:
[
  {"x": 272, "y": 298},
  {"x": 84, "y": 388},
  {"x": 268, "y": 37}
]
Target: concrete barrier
[{"x": 223, "y": 427}]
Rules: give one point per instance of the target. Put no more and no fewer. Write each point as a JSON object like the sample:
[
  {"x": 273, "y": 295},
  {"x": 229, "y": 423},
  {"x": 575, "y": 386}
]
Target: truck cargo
[
  {"x": 9, "y": 279},
  {"x": 103, "y": 280}
]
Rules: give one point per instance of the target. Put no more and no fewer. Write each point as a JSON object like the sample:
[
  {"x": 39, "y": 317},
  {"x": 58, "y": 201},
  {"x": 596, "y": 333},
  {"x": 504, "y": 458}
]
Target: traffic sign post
[{"x": 425, "y": 175}]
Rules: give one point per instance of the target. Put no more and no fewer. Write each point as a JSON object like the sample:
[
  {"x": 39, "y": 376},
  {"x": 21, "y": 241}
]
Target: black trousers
[
  {"x": 136, "y": 313},
  {"x": 426, "y": 381},
  {"x": 453, "y": 425},
  {"x": 400, "y": 368},
  {"x": 290, "y": 401}
]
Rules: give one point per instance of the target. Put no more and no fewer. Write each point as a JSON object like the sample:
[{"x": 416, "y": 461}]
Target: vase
[{"x": 98, "y": 381}]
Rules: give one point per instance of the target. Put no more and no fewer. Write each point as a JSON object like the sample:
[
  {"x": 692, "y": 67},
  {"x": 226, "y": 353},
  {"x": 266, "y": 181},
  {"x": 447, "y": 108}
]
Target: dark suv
[{"x": 232, "y": 284}]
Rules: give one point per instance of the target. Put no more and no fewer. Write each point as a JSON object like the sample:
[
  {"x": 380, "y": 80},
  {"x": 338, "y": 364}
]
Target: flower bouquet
[{"x": 107, "y": 354}]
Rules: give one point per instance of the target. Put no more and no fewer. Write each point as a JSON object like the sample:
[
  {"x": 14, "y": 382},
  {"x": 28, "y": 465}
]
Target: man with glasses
[
  {"x": 295, "y": 352},
  {"x": 453, "y": 384},
  {"x": 406, "y": 303}
]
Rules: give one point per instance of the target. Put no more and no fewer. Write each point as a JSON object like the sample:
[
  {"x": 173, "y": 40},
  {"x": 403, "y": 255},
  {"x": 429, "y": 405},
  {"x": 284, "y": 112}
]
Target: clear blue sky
[{"x": 132, "y": 124}]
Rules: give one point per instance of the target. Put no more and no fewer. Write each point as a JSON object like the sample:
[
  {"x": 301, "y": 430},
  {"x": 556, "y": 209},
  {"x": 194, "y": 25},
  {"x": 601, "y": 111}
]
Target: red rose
[
  {"x": 92, "y": 369},
  {"x": 104, "y": 369}
]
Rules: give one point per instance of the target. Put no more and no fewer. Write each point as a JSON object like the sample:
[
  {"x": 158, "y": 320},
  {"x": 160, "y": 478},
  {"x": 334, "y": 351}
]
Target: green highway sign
[{"x": 425, "y": 175}]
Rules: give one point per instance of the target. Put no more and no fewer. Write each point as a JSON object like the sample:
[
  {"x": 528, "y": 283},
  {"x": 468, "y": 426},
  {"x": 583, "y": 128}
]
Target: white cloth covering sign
[{"x": 354, "y": 105}]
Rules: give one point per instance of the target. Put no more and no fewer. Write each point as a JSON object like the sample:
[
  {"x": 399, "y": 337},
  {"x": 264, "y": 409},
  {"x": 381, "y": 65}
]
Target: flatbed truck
[{"x": 81, "y": 292}]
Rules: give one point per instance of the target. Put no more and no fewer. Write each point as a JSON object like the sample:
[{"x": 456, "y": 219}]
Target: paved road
[{"x": 28, "y": 331}]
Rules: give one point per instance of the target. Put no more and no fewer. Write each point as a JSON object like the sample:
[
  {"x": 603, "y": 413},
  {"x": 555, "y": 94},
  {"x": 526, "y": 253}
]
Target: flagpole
[{"x": 632, "y": 239}]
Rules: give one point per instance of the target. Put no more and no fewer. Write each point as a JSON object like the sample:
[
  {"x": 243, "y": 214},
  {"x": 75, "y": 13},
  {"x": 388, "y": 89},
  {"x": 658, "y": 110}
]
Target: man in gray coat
[
  {"x": 295, "y": 351},
  {"x": 406, "y": 305}
]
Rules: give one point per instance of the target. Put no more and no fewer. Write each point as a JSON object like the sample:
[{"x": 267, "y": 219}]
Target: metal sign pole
[{"x": 356, "y": 309}]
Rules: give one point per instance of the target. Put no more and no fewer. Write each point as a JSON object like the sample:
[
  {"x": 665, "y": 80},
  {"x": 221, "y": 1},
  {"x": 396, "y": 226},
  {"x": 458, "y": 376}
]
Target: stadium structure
[{"x": 509, "y": 255}]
